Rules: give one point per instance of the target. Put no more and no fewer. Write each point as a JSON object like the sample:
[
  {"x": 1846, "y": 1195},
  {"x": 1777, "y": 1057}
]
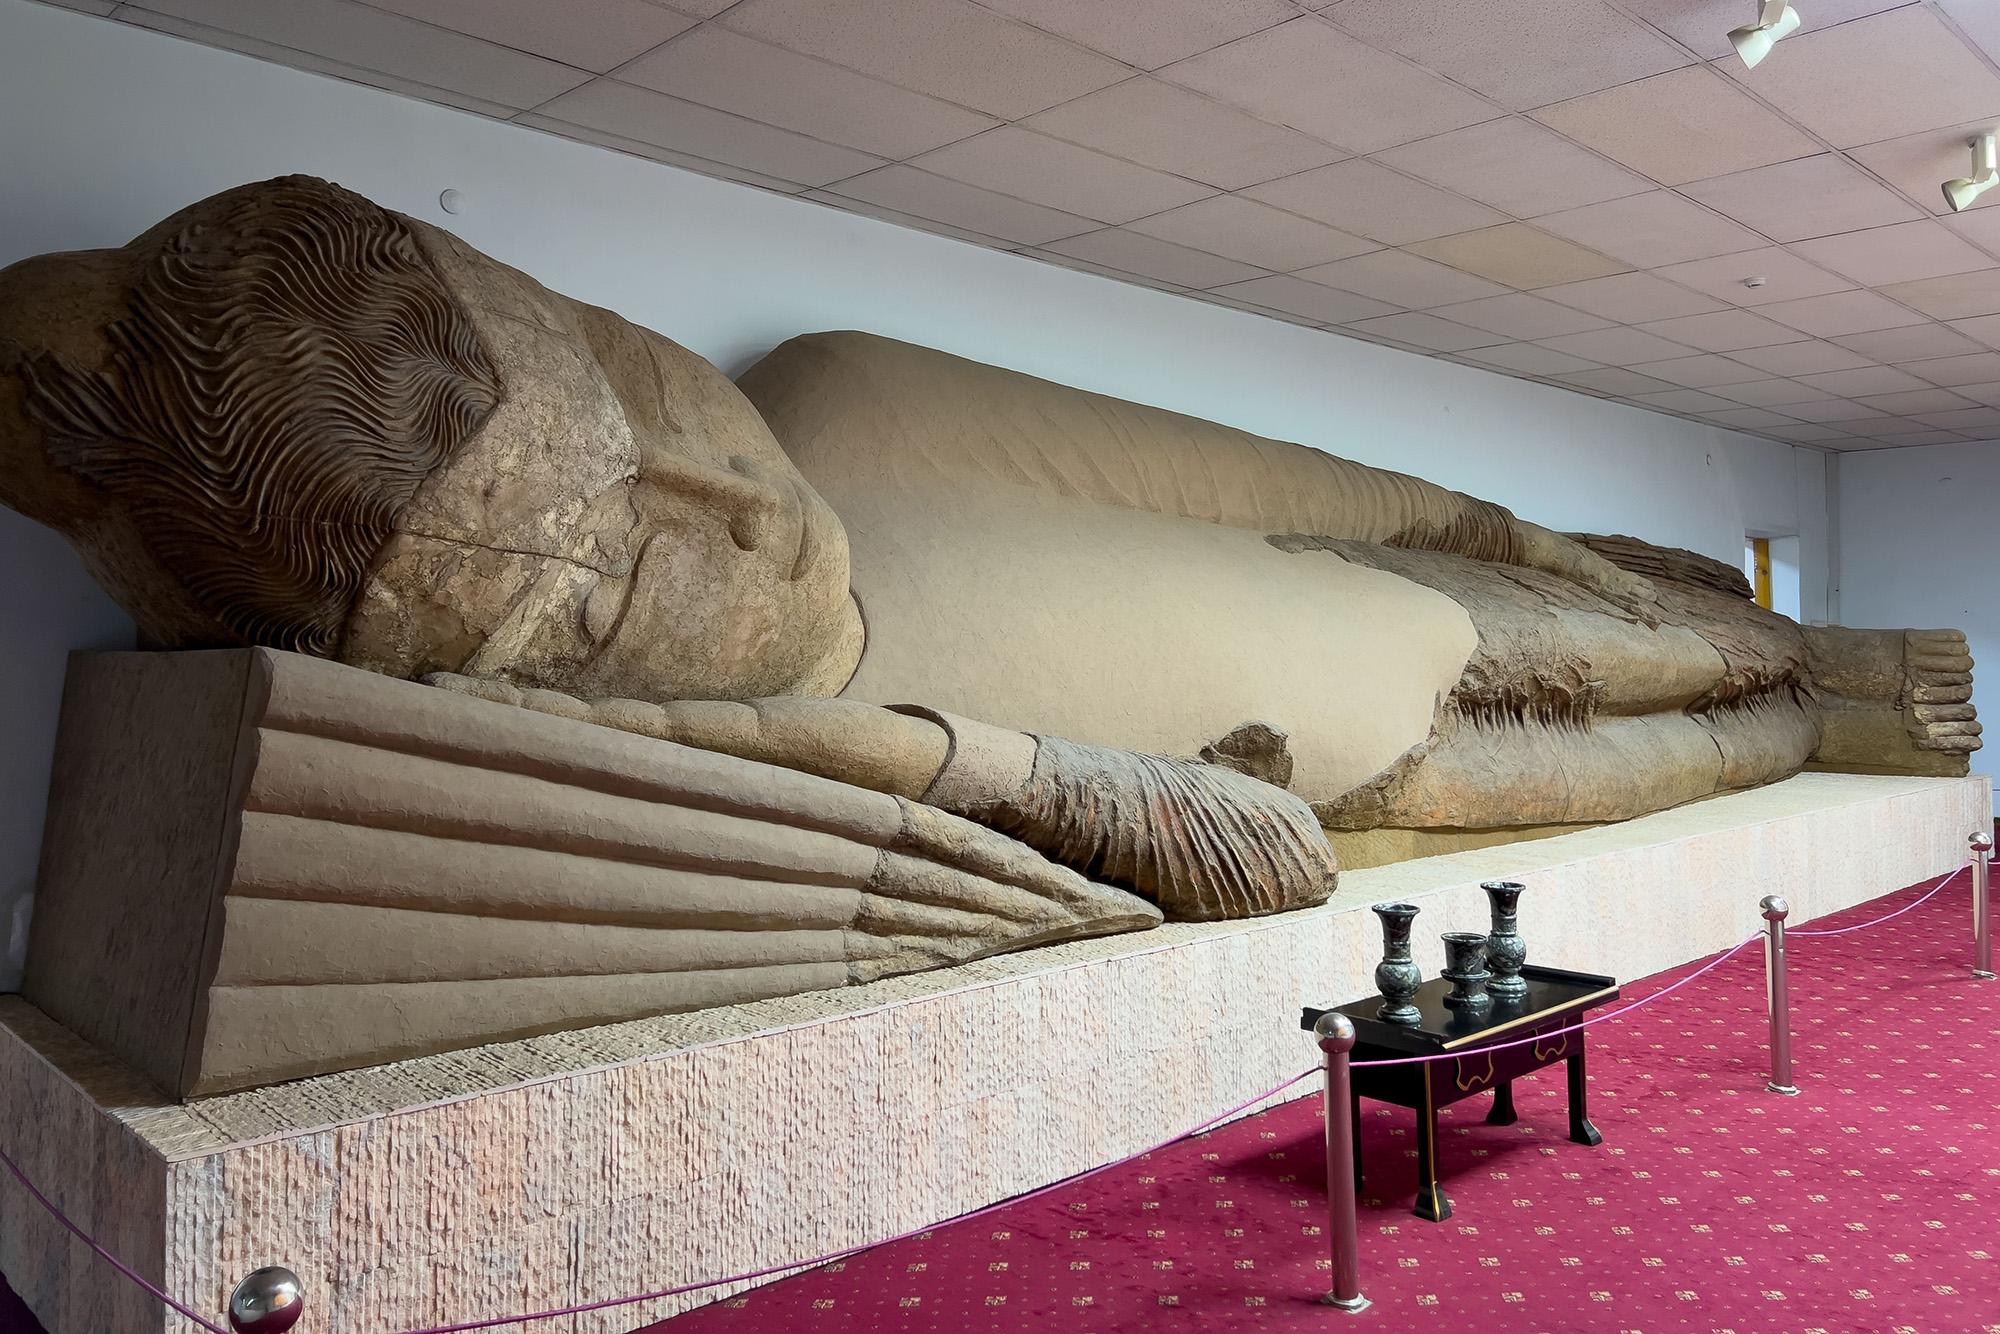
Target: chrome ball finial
[
  {"x": 1981, "y": 842},
  {"x": 1335, "y": 1031},
  {"x": 1775, "y": 908},
  {"x": 270, "y": 1301}
]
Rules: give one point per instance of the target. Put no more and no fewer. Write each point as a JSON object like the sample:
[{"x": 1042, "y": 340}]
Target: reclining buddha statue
[{"x": 544, "y": 677}]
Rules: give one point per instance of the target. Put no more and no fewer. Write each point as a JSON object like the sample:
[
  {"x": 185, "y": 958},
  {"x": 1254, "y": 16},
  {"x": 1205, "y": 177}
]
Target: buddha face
[
  {"x": 288, "y": 417},
  {"x": 623, "y": 524}
]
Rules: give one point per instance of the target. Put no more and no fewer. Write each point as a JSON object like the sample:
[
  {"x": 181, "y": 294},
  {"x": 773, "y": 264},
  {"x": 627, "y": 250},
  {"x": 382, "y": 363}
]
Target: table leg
[
  {"x": 1580, "y": 1129},
  {"x": 1503, "y": 1113},
  {"x": 1354, "y": 1110},
  {"x": 1432, "y": 1204}
]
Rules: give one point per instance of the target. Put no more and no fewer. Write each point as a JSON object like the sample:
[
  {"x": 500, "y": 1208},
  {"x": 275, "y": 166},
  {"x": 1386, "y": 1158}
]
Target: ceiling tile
[
  {"x": 1748, "y": 417},
  {"x": 355, "y": 34},
  {"x": 1809, "y": 196},
  {"x": 1518, "y": 255},
  {"x": 1841, "y": 313},
  {"x": 1619, "y": 347},
  {"x": 1901, "y": 253},
  {"x": 1075, "y": 265},
  {"x": 1149, "y": 33},
  {"x": 1519, "y": 315},
  {"x": 1822, "y": 410},
  {"x": 1803, "y": 434},
  {"x": 952, "y": 49},
  {"x": 1864, "y": 380},
  {"x": 1964, "y": 419},
  {"x": 1527, "y": 359},
  {"x": 1703, "y": 25},
  {"x": 1915, "y": 400},
  {"x": 1864, "y": 423},
  {"x": 862, "y": 208},
  {"x": 1617, "y": 380},
  {"x": 1704, "y": 372},
  {"x": 1628, "y": 298},
  {"x": 1800, "y": 358},
  {"x": 1979, "y": 20},
  {"x": 1402, "y": 280},
  {"x": 1984, "y": 328},
  {"x": 1516, "y": 166},
  {"x": 618, "y": 143},
  {"x": 1989, "y": 394},
  {"x": 1876, "y": 78},
  {"x": 1129, "y": 252},
  {"x": 1910, "y": 343},
  {"x": 1048, "y": 171},
  {"x": 590, "y": 34},
  {"x": 1724, "y": 331},
  {"x": 1972, "y": 368},
  {"x": 1419, "y": 330},
  {"x": 1370, "y": 200},
  {"x": 1651, "y": 229},
  {"x": 1685, "y": 400},
  {"x": 1520, "y": 53},
  {"x": 1930, "y": 438},
  {"x": 909, "y": 190},
  {"x": 1299, "y": 297},
  {"x": 1685, "y": 125},
  {"x": 654, "y": 118},
  {"x": 1307, "y": 75},
  {"x": 1956, "y": 296},
  {"x": 1780, "y": 276},
  {"x": 719, "y": 68},
  {"x": 1770, "y": 393},
  {"x": 1166, "y": 126},
  {"x": 1242, "y": 229},
  {"x": 1979, "y": 225},
  {"x": 223, "y": 40}
]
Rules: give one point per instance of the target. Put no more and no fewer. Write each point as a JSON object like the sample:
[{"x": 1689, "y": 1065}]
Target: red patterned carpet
[{"x": 1867, "y": 1205}]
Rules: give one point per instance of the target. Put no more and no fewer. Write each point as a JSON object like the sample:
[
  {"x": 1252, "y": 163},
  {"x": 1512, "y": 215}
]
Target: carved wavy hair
[{"x": 292, "y": 368}]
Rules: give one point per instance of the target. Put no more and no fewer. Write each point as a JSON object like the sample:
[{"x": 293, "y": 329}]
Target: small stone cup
[{"x": 1465, "y": 969}]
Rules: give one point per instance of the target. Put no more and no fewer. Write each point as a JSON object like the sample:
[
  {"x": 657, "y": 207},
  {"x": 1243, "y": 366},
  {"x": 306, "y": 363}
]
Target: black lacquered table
[{"x": 1480, "y": 1059}]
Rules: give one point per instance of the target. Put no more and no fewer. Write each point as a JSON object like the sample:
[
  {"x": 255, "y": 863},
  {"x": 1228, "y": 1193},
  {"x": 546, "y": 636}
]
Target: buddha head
[{"x": 288, "y": 417}]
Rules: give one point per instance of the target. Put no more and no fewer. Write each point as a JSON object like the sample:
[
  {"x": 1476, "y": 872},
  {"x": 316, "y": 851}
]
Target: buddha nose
[{"x": 752, "y": 506}]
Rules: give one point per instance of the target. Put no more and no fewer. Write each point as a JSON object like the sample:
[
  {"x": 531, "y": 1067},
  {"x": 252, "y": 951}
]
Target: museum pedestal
[{"x": 582, "y": 1165}]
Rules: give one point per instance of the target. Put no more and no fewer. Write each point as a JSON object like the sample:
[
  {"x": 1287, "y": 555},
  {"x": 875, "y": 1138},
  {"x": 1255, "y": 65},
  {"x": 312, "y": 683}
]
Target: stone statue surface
[{"x": 1033, "y": 645}]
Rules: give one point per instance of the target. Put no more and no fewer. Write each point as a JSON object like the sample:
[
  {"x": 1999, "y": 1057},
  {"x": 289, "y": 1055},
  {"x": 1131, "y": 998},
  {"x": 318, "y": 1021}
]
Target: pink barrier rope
[
  {"x": 1889, "y": 917},
  {"x": 102, "y": 1254},
  {"x": 1571, "y": 1028},
  {"x": 609, "y": 1303}
]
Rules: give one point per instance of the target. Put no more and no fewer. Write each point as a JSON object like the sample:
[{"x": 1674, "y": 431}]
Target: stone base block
[{"x": 577, "y": 1166}]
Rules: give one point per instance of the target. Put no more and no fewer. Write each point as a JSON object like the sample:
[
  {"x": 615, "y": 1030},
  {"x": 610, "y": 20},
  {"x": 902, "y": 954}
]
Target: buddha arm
[{"x": 1204, "y": 841}]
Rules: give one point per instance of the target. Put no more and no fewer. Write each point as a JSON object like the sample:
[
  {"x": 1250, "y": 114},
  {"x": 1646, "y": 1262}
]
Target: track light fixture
[
  {"x": 1985, "y": 171},
  {"x": 1775, "y": 19}
]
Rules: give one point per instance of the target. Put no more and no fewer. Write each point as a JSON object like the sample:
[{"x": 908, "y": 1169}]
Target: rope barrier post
[
  {"x": 1335, "y": 1032},
  {"x": 1776, "y": 991},
  {"x": 1982, "y": 915}
]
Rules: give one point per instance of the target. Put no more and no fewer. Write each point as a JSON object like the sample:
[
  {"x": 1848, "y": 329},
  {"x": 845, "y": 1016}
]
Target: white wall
[
  {"x": 105, "y": 129},
  {"x": 1920, "y": 546}
]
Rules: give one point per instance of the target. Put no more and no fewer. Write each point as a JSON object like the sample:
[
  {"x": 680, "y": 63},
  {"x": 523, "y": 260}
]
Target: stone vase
[
  {"x": 1465, "y": 969},
  {"x": 1397, "y": 977},
  {"x": 1505, "y": 950}
]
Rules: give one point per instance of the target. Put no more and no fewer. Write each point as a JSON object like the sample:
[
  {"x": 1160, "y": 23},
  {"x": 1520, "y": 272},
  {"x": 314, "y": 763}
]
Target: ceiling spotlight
[
  {"x": 1775, "y": 19},
  {"x": 1985, "y": 171}
]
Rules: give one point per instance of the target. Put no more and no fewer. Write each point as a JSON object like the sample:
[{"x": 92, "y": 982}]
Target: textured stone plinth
[{"x": 573, "y": 1166}]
